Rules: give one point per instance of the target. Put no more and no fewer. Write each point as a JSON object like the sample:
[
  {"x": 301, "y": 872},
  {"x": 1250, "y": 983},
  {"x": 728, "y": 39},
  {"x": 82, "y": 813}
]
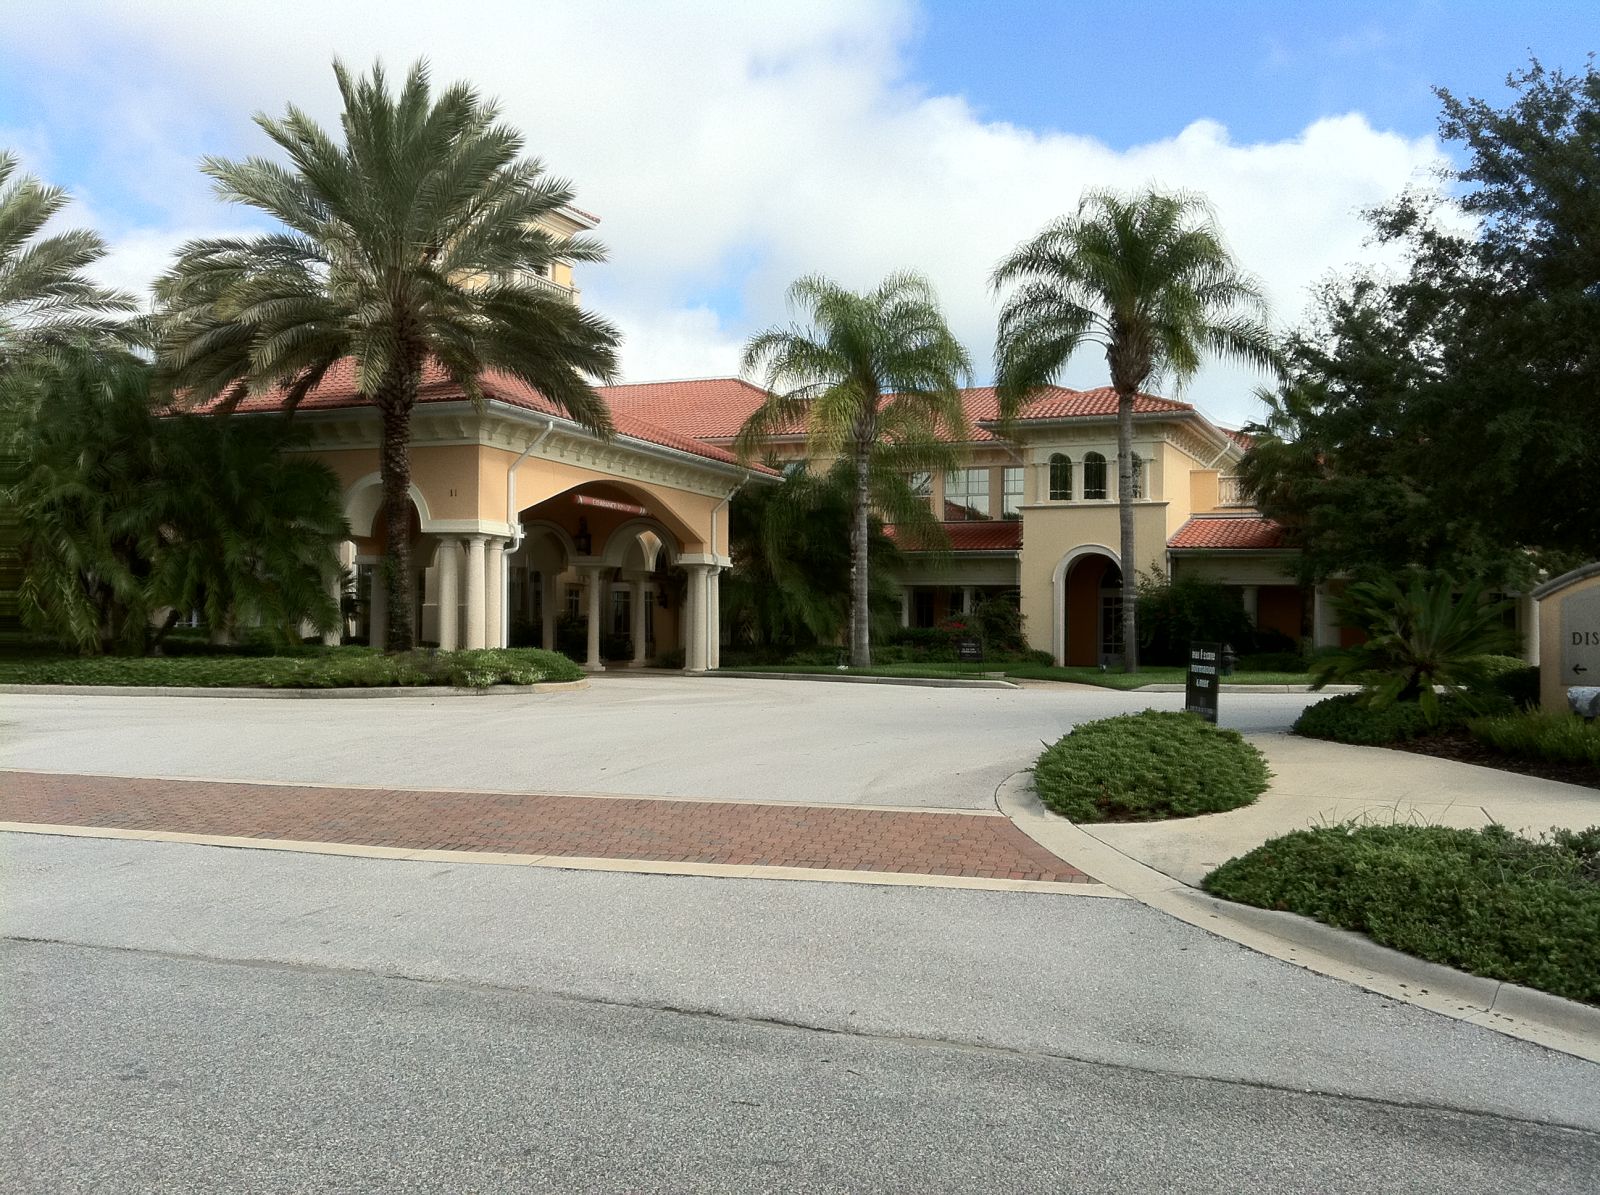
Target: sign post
[{"x": 1200, "y": 686}]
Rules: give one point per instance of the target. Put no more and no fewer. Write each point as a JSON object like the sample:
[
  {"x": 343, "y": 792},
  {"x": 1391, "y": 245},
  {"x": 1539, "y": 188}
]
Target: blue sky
[
  {"x": 1264, "y": 69},
  {"x": 732, "y": 146}
]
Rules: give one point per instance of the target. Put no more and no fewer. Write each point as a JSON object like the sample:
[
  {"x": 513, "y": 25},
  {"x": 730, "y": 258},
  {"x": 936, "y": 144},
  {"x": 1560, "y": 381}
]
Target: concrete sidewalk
[{"x": 1317, "y": 783}]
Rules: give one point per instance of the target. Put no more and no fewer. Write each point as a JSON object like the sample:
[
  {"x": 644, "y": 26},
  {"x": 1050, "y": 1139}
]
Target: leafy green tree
[
  {"x": 125, "y": 514},
  {"x": 1422, "y": 633},
  {"x": 1148, "y": 279},
  {"x": 420, "y": 236},
  {"x": 1447, "y": 418},
  {"x": 251, "y": 530},
  {"x": 791, "y": 547},
  {"x": 47, "y": 301},
  {"x": 873, "y": 380}
]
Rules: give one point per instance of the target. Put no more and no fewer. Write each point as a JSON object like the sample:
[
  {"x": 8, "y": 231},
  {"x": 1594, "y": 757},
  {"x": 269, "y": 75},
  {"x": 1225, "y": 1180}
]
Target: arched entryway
[{"x": 1088, "y": 608}]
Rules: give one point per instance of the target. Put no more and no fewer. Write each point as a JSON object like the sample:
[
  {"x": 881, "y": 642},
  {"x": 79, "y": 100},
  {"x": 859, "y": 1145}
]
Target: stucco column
[
  {"x": 905, "y": 605},
  {"x": 641, "y": 613},
  {"x": 694, "y": 648},
  {"x": 1077, "y": 478},
  {"x": 449, "y": 565},
  {"x": 594, "y": 663},
  {"x": 475, "y": 600},
  {"x": 494, "y": 593},
  {"x": 547, "y": 610},
  {"x": 1324, "y": 624},
  {"x": 378, "y": 610},
  {"x": 1251, "y": 596},
  {"x": 966, "y": 599},
  {"x": 714, "y": 619},
  {"x": 335, "y": 583}
]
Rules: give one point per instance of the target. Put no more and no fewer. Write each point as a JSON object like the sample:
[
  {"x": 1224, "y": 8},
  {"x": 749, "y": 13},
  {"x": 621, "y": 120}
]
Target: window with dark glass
[
  {"x": 1011, "y": 492},
  {"x": 1060, "y": 478},
  {"x": 1138, "y": 476},
  {"x": 966, "y": 494},
  {"x": 1094, "y": 477}
]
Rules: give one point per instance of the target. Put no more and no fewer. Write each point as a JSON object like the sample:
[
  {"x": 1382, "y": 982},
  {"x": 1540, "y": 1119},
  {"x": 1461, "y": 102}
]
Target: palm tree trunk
[
  {"x": 395, "y": 400},
  {"x": 1130, "y": 575},
  {"x": 860, "y": 642}
]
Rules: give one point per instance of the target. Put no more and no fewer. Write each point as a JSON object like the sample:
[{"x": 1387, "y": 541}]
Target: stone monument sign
[{"x": 1569, "y": 635}]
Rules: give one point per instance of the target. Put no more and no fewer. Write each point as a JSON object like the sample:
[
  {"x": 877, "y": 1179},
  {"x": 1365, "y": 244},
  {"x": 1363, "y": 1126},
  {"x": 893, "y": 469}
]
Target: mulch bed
[{"x": 1462, "y": 747}]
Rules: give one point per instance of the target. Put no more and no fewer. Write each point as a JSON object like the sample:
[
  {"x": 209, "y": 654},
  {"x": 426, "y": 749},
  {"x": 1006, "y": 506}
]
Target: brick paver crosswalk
[{"x": 726, "y": 832}]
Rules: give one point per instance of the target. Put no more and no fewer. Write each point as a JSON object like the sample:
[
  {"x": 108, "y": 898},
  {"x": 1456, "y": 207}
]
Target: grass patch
[
  {"x": 1148, "y": 767},
  {"x": 1486, "y": 901},
  {"x": 328, "y": 668},
  {"x": 1548, "y": 738},
  {"x": 1032, "y": 671}
]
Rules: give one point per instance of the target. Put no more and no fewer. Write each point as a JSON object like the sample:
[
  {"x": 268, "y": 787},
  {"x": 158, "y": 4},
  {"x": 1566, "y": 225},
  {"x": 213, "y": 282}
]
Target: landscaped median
[
  {"x": 331, "y": 668},
  {"x": 1485, "y": 901},
  {"x": 1148, "y": 767}
]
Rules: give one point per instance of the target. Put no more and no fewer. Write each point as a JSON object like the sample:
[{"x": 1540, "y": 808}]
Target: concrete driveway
[{"x": 636, "y": 735}]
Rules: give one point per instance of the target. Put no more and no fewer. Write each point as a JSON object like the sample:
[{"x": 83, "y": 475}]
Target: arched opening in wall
[
  {"x": 1092, "y": 614},
  {"x": 367, "y": 610},
  {"x": 593, "y": 576}
]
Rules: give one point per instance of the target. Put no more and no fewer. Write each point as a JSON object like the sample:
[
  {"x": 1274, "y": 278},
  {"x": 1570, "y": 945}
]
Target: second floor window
[
  {"x": 1094, "y": 477},
  {"x": 921, "y": 484},
  {"x": 1138, "y": 476},
  {"x": 1011, "y": 493},
  {"x": 966, "y": 494},
  {"x": 1060, "y": 478}
]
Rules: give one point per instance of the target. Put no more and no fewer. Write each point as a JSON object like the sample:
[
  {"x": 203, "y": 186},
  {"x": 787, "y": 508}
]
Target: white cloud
[{"x": 729, "y": 147}]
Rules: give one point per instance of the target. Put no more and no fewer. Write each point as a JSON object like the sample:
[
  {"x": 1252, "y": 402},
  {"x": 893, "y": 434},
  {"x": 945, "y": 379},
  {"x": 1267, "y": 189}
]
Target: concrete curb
[
  {"x": 1226, "y": 688},
  {"x": 925, "y": 682},
  {"x": 1519, "y": 1012},
  {"x": 727, "y": 871},
  {"x": 292, "y": 694}
]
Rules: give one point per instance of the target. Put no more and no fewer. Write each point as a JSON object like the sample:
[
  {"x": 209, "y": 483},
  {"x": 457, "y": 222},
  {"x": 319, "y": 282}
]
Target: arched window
[
  {"x": 1138, "y": 476},
  {"x": 1094, "y": 477},
  {"x": 1060, "y": 478}
]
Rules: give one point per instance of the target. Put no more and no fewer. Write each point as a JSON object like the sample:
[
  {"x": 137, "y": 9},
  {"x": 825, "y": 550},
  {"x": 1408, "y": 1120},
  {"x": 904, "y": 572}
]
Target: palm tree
[
  {"x": 875, "y": 377},
  {"x": 1148, "y": 278},
  {"x": 46, "y": 299},
  {"x": 421, "y": 235}
]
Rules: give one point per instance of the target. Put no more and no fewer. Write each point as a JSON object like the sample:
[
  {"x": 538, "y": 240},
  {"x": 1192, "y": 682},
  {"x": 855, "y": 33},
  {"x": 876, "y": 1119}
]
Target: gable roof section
[
  {"x": 1228, "y": 532},
  {"x": 338, "y": 390}
]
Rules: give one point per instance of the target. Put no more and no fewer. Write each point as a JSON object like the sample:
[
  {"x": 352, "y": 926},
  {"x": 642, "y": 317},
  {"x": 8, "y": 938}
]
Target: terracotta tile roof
[
  {"x": 338, "y": 389},
  {"x": 715, "y": 408},
  {"x": 979, "y": 535},
  {"x": 1243, "y": 439},
  {"x": 705, "y": 408},
  {"x": 1236, "y": 532}
]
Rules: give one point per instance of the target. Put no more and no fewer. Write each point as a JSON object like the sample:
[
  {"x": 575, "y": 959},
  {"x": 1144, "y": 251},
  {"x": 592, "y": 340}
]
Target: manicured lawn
[
  {"x": 1486, "y": 901},
  {"x": 331, "y": 668},
  {"x": 1029, "y": 671}
]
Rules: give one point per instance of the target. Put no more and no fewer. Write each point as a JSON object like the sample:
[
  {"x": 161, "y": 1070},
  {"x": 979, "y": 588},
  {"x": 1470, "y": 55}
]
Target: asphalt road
[
  {"x": 193, "y": 1018},
  {"x": 658, "y": 735}
]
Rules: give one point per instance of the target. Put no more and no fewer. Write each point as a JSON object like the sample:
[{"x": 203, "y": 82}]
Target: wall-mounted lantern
[{"x": 583, "y": 541}]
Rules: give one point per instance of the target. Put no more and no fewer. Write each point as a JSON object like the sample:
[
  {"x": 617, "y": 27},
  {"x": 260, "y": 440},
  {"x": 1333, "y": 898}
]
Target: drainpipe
[{"x": 516, "y": 530}]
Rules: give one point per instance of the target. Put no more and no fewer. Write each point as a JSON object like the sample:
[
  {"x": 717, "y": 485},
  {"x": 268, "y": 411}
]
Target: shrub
[
  {"x": 1272, "y": 661},
  {"x": 1551, "y": 738},
  {"x": 1419, "y": 637},
  {"x": 347, "y": 667},
  {"x": 1172, "y": 614},
  {"x": 1511, "y": 677},
  {"x": 1483, "y": 900},
  {"x": 1148, "y": 766},
  {"x": 1350, "y": 718}
]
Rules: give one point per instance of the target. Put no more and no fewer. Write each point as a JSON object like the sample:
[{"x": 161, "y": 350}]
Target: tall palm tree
[
  {"x": 46, "y": 299},
  {"x": 419, "y": 235},
  {"x": 1148, "y": 278},
  {"x": 875, "y": 376}
]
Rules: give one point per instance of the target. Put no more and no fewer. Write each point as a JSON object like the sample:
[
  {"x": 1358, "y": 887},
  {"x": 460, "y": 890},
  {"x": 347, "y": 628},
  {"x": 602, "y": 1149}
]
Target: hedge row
[
  {"x": 1486, "y": 901},
  {"x": 1348, "y": 719},
  {"x": 345, "y": 667}
]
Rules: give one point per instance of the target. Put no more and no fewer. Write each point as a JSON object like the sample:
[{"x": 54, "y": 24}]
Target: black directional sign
[{"x": 1200, "y": 687}]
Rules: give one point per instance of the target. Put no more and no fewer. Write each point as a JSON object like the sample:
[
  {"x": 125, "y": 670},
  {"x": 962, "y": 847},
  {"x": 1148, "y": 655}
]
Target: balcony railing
[{"x": 1230, "y": 491}]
